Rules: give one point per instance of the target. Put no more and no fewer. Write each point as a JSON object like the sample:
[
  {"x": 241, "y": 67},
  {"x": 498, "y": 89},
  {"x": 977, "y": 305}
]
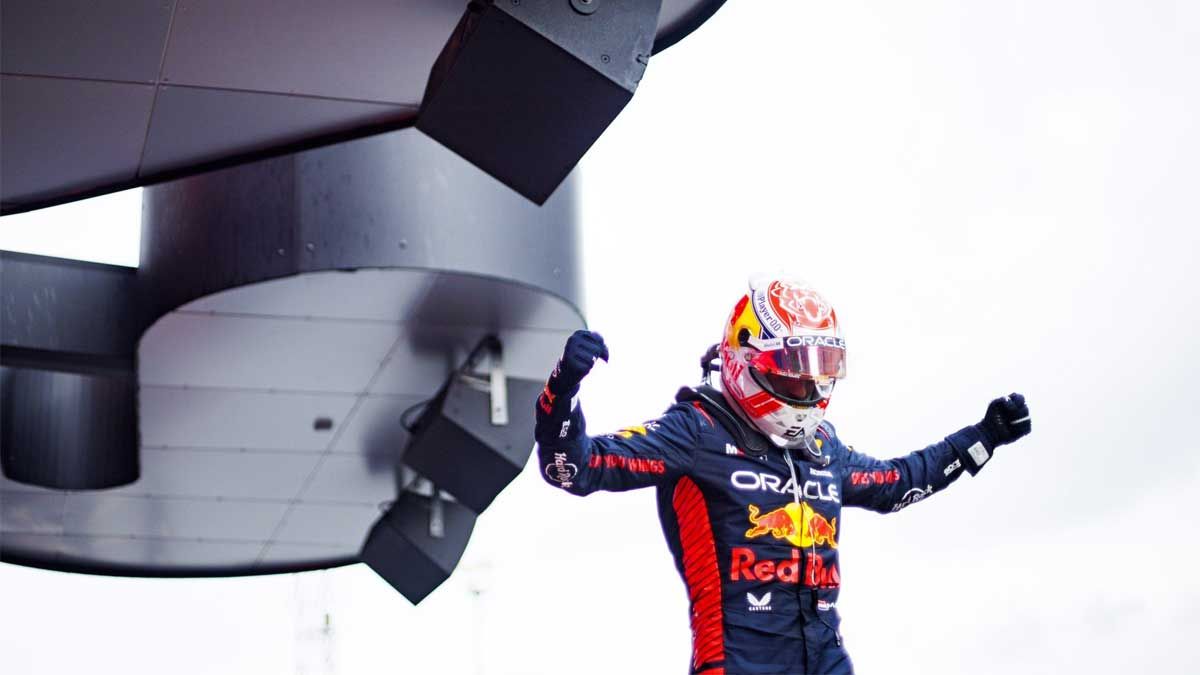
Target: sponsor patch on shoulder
[{"x": 978, "y": 453}]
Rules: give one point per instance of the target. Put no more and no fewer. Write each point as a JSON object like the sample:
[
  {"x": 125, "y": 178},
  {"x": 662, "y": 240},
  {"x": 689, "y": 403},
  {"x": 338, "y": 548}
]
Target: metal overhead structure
[
  {"x": 315, "y": 361},
  {"x": 237, "y": 404},
  {"x": 98, "y": 97}
]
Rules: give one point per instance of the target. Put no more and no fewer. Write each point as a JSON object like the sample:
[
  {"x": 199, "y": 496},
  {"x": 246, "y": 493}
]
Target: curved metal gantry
[{"x": 255, "y": 367}]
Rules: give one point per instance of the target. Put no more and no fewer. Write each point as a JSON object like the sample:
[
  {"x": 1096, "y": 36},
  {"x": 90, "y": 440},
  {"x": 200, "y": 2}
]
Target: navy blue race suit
[{"x": 753, "y": 528}]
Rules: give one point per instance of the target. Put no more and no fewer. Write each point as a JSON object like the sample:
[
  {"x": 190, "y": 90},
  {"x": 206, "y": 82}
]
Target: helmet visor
[
  {"x": 799, "y": 391},
  {"x": 811, "y": 357}
]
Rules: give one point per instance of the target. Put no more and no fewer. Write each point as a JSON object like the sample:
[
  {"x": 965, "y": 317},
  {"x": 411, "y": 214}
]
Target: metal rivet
[{"x": 604, "y": 58}]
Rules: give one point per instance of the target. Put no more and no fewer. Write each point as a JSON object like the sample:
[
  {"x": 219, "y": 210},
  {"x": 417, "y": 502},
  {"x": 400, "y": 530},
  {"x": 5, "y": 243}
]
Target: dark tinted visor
[{"x": 800, "y": 391}]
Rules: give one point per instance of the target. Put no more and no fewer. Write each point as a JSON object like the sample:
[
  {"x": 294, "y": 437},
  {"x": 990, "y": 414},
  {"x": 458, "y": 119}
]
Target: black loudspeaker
[
  {"x": 456, "y": 445},
  {"x": 524, "y": 87},
  {"x": 401, "y": 548}
]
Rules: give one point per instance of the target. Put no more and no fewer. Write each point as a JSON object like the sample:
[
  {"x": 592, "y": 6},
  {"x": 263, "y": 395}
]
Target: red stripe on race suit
[{"x": 700, "y": 573}]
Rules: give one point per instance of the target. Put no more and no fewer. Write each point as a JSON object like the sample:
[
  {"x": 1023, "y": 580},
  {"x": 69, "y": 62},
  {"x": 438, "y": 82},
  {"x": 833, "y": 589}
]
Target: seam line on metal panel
[
  {"x": 317, "y": 97},
  {"x": 254, "y": 390},
  {"x": 265, "y": 451},
  {"x": 295, "y": 392},
  {"x": 155, "y": 537},
  {"x": 69, "y": 78},
  {"x": 219, "y": 499},
  {"x": 162, "y": 63},
  {"x": 353, "y": 320},
  {"x": 240, "y": 90},
  {"x": 287, "y": 392}
]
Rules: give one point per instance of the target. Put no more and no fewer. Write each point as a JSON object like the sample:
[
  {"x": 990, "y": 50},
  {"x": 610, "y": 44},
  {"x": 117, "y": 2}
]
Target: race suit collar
[{"x": 714, "y": 403}]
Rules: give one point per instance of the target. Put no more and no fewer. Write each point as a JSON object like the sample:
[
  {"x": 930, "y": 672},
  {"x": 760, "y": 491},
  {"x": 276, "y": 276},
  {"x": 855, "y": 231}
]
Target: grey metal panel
[
  {"x": 460, "y": 300},
  {"x": 66, "y": 135},
  {"x": 532, "y": 354},
  {"x": 419, "y": 365},
  {"x": 31, "y": 512},
  {"x": 236, "y": 220},
  {"x": 68, "y": 305},
  {"x": 192, "y": 126},
  {"x": 376, "y": 479},
  {"x": 105, "y": 515},
  {"x": 142, "y": 556},
  {"x": 378, "y": 202},
  {"x": 84, "y": 39},
  {"x": 281, "y": 554},
  {"x": 7, "y": 485},
  {"x": 230, "y": 474},
  {"x": 375, "y": 428},
  {"x": 365, "y": 294},
  {"x": 27, "y": 545},
  {"x": 358, "y": 205},
  {"x": 328, "y": 524},
  {"x": 373, "y": 50},
  {"x": 221, "y": 418},
  {"x": 248, "y": 351}
]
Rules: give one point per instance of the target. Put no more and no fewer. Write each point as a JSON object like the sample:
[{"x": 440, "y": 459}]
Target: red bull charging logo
[{"x": 797, "y": 523}]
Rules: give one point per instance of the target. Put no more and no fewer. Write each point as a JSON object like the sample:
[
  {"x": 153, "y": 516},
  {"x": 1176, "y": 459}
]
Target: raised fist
[{"x": 1006, "y": 420}]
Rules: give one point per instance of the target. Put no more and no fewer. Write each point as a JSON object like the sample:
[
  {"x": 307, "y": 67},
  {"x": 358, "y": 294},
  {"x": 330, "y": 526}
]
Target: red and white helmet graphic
[
  {"x": 798, "y": 307},
  {"x": 781, "y": 353}
]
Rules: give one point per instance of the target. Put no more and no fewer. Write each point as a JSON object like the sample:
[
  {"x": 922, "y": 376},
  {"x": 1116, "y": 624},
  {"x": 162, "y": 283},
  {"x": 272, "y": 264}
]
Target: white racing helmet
[{"x": 781, "y": 353}]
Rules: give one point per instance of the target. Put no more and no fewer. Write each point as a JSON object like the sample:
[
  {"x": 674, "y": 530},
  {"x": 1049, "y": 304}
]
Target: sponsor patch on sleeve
[
  {"x": 952, "y": 467},
  {"x": 978, "y": 453},
  {"x": 561, "y": 471}
]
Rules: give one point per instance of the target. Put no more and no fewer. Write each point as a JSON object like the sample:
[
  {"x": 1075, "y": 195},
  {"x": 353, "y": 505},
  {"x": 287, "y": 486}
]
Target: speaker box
[
  {"x": 456, "y": 446},
  {"x": 524, "y": 87},
  {"x": 401, "y": 549}
]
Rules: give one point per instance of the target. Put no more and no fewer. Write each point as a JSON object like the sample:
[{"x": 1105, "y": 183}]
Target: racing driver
[{"x": 751, "y": 480}]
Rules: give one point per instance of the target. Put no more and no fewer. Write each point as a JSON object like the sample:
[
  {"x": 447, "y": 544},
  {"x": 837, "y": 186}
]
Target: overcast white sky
[{"x": 995, "y": 196}]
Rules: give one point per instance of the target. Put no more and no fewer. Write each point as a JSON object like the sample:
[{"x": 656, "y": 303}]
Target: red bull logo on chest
[
  {"x": 745, "y": 566},
  {"x": 799, "y": 524}
]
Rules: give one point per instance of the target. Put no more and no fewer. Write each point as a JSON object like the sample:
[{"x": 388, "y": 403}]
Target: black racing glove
[
  {"x": 580, "y": 354},
  {"x": 1006, "y": 420}
]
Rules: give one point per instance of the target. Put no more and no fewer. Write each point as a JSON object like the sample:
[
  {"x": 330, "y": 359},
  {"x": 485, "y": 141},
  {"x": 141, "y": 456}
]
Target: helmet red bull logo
[{"x": 799, "y": 524}]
